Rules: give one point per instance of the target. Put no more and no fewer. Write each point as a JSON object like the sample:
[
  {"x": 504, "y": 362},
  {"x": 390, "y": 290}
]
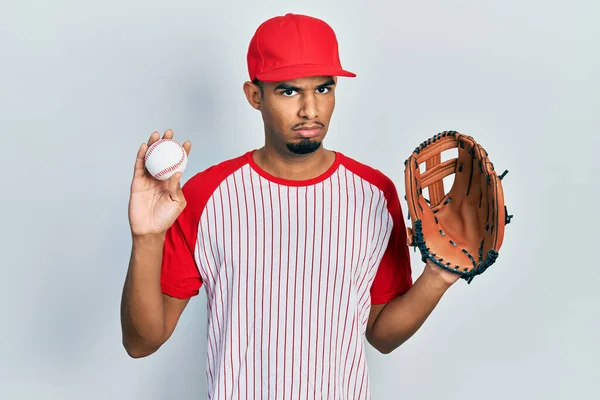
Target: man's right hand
[{"x": 154, "y": 205}]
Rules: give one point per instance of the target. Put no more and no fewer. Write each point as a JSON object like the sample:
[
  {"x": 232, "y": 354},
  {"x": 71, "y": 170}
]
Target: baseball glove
[{"x": 462, "y": 230}]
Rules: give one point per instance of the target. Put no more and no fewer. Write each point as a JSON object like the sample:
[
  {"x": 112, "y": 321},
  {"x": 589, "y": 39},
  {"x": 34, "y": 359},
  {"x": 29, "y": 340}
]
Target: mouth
[{"x": 309, "y": 131}]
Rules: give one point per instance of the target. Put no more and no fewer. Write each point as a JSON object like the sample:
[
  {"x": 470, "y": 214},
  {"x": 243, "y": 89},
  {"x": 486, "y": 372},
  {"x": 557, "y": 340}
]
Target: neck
[{"x": 292, "y": 166}]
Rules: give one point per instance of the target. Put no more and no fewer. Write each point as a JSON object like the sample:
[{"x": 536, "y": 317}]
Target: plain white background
[{"x": 83, "y": 83}]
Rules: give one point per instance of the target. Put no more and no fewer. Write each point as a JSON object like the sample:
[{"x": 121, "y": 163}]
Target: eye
[
  {"x": 288, "y": 92},
  {"x": 323, "y": 90}
]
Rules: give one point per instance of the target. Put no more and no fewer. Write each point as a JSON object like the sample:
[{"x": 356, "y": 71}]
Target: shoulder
[
  {"x": 370, "y": 174},
  {"x": 200, "y": 187},
  {"x": 216, "y": 174}
]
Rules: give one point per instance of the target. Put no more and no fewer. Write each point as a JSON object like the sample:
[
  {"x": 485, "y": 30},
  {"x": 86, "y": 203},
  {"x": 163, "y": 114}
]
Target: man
[{"x": 301, "y": 250}]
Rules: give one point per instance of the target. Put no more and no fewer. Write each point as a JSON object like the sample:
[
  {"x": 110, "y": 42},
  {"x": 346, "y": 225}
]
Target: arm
[
  {"x": 160, "y": 256},
  {"x": 391, "y": 324},
  {"x": 148, "y": 317}
]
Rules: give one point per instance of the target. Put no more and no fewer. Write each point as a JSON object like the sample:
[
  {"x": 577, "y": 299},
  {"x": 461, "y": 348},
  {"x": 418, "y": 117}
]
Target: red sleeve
[
  {"x": 394, "y": 275},
  {"x": 180, "y": 273},
  {"x": 180, "y": 276}
]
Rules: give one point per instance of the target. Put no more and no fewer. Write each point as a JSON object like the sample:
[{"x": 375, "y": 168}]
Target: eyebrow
[{"x": 285, "y": 86}]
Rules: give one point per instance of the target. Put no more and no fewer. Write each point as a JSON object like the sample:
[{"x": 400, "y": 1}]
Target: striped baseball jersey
[{"x": 290, "y": 270}]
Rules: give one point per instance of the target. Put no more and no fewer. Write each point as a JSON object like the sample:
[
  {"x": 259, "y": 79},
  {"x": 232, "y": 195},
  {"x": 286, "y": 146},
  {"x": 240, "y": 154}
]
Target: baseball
[{"x": 164, "y": 158}]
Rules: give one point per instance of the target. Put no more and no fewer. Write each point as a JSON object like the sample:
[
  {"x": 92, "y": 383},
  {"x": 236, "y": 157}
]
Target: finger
[
  {"x": 139, "y": 169},
  {"x": 168, "y": 134},
  {"x": 187, "y": 147},
  {"x": 153, "y": 138}
]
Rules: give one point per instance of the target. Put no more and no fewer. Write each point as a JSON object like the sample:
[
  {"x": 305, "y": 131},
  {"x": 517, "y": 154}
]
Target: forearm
[
  {"x": 142, "y": 304},
  {"x": 404, "y": 315}
]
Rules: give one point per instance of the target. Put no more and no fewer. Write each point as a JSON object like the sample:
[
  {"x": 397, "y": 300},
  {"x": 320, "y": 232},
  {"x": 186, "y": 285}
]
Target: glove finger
[
  {"x": 462, "y": 176},
  {"x": 485, "y": 209},
  {"x": 484, "y": 206},
  {"x": 474, "y": 190},
  {"x": 497, "y": 215}
]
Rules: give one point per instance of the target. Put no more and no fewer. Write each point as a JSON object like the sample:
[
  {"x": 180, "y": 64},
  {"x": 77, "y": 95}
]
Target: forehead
[{"x": 306, "y": 82}]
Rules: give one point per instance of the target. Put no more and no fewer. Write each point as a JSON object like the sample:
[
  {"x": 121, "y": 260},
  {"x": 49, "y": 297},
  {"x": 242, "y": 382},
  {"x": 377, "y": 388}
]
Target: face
[{"x": 296, "y": 113}]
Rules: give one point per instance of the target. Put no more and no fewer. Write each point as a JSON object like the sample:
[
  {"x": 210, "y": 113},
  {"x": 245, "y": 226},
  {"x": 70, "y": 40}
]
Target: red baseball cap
[{"x": 294, "y": 46}]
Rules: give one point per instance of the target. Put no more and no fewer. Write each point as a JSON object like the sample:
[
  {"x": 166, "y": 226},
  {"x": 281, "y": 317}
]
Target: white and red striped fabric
[{"x": 290, "y": 270}]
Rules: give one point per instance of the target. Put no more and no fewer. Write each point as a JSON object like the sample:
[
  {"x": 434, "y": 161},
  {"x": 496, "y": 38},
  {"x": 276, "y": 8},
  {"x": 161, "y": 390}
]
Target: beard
[{"x": 304, "y": 147}]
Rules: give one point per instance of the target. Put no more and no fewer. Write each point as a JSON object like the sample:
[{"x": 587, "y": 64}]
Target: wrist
[
  {"x": 148, "y": 240},
  {"x": 146, "y": 254}
]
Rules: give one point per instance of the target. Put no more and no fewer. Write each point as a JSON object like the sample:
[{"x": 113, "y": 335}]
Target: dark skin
[
  {"x": 287, "y": 107},
  {"x": 149, "y": 317},
  {"x": 311, "y": 101},
  {"x": 296, "y": 117}
]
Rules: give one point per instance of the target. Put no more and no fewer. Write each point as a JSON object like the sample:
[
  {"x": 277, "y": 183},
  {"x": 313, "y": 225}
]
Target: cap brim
[{"x": 302, "y": 71}]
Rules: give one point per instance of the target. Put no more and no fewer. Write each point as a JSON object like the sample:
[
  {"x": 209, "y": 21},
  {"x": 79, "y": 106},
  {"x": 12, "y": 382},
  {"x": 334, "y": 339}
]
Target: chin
[{"x": 305, "y": 146}]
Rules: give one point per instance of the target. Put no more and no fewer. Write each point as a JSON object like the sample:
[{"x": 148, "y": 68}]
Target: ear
[{"x": 253, "y": 94}]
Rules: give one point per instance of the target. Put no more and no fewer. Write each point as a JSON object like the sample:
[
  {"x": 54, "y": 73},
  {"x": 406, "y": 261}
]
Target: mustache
[{"x": 303, "y": 124}]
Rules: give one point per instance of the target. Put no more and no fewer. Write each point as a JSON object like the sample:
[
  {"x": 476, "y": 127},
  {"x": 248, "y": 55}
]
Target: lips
[{"x": 308, "y": 131}]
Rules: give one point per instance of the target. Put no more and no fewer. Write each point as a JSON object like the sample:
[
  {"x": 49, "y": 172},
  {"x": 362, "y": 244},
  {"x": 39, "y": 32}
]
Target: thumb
[{"x": 174, "y": 185}]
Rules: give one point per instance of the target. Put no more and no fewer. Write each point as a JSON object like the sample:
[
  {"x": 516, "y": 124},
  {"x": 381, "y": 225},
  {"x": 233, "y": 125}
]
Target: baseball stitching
[
  {"x": 153, "y": 146},
  {"x": 172, "y": 167}
]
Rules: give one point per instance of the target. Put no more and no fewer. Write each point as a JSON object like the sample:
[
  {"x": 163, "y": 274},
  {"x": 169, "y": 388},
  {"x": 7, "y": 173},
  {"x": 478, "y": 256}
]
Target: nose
[{"x": 309, "y": 107}]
